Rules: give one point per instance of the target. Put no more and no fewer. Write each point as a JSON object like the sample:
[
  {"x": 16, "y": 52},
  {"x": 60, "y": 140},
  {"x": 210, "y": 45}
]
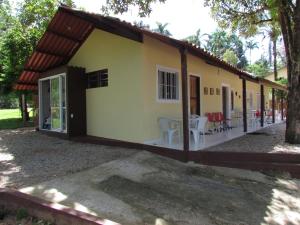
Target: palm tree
[
  {"x": 141, "y": 24},
  {"x": 162, "y": 29},
  {"x": 196, "y": 39},
  {"x": 251, "y": 45}
]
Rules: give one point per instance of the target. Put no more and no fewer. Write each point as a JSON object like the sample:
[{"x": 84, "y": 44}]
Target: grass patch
[{"x": 12, "y": 119}]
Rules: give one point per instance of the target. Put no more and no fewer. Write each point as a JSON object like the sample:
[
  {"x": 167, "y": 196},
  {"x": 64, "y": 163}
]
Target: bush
[
  {"x": 3, "y": 212},
  {"x": 9, "y": 101},
  {"x": 21, "y": 214}
]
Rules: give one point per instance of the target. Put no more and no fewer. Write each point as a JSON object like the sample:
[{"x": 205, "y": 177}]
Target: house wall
[
  {"x": 113, "y": 112},
  {"x": 156, "y": 53},
  {"x": 214, "y": 77},
  {"x": 253, "y": 88},
  {"x": 282, "y": 73},
  {"x": 128, "y": 109}
]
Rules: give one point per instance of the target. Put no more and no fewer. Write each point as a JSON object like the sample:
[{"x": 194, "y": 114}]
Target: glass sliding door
[
  {"x": 55, "y": 104},
  {"x": 56, "y": 119}
]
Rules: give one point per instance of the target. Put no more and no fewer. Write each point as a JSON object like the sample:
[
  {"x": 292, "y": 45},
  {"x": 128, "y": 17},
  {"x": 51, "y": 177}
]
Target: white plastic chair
[
  {"x": 197, "y": 127},
  {"x": 166, "y": 129}
]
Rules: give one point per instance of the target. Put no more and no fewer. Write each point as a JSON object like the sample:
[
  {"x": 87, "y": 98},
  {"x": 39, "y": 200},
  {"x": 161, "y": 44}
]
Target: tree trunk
[
  {"x": 274, "y": 39},
  {"x": 291, "y": 37},
  {"x": 25, "y": 114},
  {"x": 293, "y": 107}
]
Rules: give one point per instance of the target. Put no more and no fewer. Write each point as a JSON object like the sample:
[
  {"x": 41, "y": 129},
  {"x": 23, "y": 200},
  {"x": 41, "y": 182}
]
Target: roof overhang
[{"x": 68, "y": 30}]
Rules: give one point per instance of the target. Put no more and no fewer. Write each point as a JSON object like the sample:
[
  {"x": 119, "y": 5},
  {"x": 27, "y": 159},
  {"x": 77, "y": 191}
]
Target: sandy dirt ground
[{"x": 132, "y": 187}]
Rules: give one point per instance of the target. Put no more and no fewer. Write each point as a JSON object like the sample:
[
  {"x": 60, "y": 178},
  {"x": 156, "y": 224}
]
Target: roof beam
[
  {"x": 32, "y": 70},
  {"x": 50, "y": 53},
  {"x": 29, "y": 84},
  {"x": 63, "y": 35}
]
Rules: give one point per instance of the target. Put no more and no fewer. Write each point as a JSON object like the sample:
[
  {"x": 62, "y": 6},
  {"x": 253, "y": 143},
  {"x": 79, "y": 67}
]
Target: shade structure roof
[{"x": 69, "y": 28}]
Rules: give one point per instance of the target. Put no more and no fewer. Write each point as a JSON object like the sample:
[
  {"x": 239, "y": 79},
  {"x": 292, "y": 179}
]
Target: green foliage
[
  {"x": 162, "y": 29},
  {"x": 141, "y": 24},
  {"x": 196, "y": 39},
  {"x": 246, "y": 16},
  {"x": 251, "y": 45},
  {"x": 21, "y": 214},
  {"x": 12, "y": 119},
  {"x": 9, "y": 101},
  {"x": 230, "y": 57},
  {"x": 260, "y": 68},
  {"x": 19, "y": 33},
  {"x": 117, "y": 6},
  {"x": 220, "y": 41},
  {"x": 3, "y": 212}
]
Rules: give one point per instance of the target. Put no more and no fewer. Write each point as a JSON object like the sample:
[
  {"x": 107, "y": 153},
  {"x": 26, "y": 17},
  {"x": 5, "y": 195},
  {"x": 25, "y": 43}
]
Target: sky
[{"x": 184, "y": 17}]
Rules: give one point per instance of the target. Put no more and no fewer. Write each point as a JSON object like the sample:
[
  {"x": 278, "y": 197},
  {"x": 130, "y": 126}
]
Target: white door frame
[
  {"x": 189, "y": 93},
  {"x": 228, "y": 107}
]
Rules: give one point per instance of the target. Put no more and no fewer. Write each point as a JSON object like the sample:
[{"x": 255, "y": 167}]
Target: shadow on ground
[{"x": 134, "y": 187}]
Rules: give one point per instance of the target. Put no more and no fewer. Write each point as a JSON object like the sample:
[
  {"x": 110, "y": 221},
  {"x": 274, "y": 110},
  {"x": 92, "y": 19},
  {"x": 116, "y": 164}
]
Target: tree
[
  {"x": 260, "y": 68},
  {"x": 251, "y": 45},
  {"x": 219, "y": 41},
  {"x": 116, "y": 7},
  {"x": 141, "y": 24},
  {"x": 162, "y": 29},
  {"x": 196, "y": 39},
  {"x": 230, "y": 57},
  {"x": 249, "y": 16},
  {"x": 17, "y": 39}
]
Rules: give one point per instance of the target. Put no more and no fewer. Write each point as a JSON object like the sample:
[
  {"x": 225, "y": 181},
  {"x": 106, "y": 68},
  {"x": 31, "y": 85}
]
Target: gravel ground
[
  {"x": 28, "y": 157},
  {"x": 267, "y": 140},
  {"x": 139, "y": 188},
  {"x": 146, "y": 189}
]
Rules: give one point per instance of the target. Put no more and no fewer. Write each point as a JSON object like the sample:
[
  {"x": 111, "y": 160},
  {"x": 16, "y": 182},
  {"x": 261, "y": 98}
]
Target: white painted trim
[
  {"x": 228, "y": 99},
  {"x": 40, "y": 103},
  {"x": 171, "y": 70},
  {"x": 52, "y": 77},
  {"x": 200, "y": 87},
  {"x": 234, "y": 100},
  {"x": 248, "y": 93}
]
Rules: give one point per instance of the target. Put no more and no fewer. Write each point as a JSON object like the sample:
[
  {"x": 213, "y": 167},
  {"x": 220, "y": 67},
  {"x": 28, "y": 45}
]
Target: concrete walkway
[{"x": 267, "y": 140}]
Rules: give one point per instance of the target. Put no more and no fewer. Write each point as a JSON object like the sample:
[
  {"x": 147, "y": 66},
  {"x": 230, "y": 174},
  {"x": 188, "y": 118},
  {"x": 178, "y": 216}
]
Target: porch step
[
  {"x": 252, "y": 161},
  {"x": 245, "y": 157},
  {"x": 292, "y": 168}
]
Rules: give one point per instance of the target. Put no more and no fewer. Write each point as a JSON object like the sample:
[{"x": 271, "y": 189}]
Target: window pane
[
  {"x": 93, "y": 80},
  {"x": 167, "y": 85},
  {"x": 98, "y": 79}
]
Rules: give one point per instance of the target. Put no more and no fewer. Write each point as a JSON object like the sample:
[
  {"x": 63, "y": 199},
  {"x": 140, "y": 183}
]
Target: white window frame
[
  {"x": 234, "y": 100},
  {"x": 228, "y": 99},
  {"x": 170, "y": 70}
]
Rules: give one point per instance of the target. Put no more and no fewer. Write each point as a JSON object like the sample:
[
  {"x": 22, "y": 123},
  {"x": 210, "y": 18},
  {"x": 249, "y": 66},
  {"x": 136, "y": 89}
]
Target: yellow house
[
  {"x": 104, "y": 78},
  {"x": 282, "y": 73}
]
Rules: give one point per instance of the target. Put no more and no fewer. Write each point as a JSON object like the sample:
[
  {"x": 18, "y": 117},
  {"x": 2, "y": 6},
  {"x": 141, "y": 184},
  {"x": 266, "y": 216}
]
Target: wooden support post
[
  {"x": 262, "y": 105},
  {"x": 185, "y": 111},
  {"x": 273, "y": 105},
  {"x": 281, "y": 103},
  {"x": 244, "y": 105}
]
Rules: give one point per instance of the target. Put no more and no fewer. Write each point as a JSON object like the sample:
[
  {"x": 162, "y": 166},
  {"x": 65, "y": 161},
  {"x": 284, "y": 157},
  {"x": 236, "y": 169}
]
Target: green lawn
[{"x": 11, "y": 118}]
